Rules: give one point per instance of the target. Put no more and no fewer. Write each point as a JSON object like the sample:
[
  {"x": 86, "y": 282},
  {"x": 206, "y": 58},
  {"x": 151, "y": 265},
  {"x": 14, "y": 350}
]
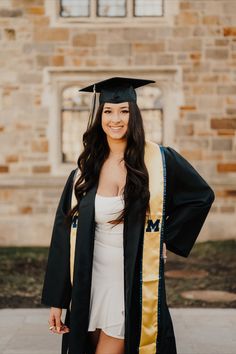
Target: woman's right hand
[{"x": 55, "y": 321}]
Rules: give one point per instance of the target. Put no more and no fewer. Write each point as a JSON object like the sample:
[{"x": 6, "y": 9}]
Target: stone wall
[{"x": 198, "y": 39}]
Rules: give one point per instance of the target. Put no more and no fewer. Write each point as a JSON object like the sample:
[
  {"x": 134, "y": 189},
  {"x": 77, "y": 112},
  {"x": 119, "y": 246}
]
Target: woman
[{"x": 127, "y": 199}]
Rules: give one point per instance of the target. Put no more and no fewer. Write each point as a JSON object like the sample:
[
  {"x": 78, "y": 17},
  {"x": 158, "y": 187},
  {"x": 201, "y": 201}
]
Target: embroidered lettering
[
  {"x": 153, "y": 226},
  {"x": 74, "y": 221}
]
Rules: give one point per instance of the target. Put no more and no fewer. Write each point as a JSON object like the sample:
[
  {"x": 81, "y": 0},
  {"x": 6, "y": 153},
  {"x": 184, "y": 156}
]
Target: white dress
[{"x": 107, "y": 288}]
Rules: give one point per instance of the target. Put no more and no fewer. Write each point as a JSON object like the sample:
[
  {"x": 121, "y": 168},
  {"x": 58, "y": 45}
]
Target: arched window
[
  {"x": 74, "y": 118},
  {"x": 75, "y": 113},
  {"x": 150, "y": 102}
]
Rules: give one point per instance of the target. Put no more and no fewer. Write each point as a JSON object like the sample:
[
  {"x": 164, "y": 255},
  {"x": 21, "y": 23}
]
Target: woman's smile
[{"x": 116, "y": 128}]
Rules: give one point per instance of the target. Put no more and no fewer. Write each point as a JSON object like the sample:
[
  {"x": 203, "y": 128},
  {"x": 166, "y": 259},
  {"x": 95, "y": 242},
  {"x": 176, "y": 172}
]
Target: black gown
[{"x": 188, "y": 199}]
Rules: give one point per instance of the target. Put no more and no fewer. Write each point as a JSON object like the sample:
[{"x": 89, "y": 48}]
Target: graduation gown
[{"x": 187, "y": 201}]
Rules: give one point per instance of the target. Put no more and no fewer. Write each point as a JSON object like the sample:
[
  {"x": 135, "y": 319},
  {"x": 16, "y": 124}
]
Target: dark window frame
[
  {"x": 133, "y": 16},
  {"x": 97, "y": 15},
  {"x": 147, "y": 16},
  {"x": 71, "y": 16}
]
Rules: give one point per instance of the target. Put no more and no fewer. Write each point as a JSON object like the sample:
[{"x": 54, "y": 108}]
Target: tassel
[{"x": 92, "y": 108}]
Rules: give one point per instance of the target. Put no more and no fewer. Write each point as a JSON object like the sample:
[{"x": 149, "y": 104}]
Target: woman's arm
[
  {"x": 188, "y": 201},
  {"x": 57, "y": 286}
]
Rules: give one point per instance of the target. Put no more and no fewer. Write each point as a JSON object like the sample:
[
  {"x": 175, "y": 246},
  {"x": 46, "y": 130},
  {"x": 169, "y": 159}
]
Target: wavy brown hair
[{"x": 96, "y": 151}]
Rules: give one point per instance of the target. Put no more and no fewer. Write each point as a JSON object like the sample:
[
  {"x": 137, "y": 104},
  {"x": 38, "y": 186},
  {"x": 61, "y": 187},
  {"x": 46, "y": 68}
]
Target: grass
[
  {"x": 21, "y": 276},
  {"x": 218, "y": 259},
  {"x": 22, "y": 271}
]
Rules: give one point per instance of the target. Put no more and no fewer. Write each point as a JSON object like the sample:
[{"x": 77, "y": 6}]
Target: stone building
[{"x": 51, "y": 48}]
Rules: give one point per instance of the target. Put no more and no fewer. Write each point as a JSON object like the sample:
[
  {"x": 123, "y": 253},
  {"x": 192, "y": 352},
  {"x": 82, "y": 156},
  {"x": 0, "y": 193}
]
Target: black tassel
[{"x": 92, "y": 109}]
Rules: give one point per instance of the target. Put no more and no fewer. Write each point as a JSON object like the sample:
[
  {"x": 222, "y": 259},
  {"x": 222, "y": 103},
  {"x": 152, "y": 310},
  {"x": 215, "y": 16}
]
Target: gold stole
[{"x": 151, "y": 249}]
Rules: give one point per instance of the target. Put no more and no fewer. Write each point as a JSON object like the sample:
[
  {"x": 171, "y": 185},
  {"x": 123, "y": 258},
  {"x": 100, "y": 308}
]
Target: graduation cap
[{"x": 114, "y": 90}]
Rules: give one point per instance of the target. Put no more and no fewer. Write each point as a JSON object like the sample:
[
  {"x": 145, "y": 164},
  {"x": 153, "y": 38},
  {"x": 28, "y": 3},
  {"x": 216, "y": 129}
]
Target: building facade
[{"x": 51, "y": 48}]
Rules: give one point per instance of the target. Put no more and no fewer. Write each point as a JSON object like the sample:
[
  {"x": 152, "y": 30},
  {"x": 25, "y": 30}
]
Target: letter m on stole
[{"x": 152, "y": 226}]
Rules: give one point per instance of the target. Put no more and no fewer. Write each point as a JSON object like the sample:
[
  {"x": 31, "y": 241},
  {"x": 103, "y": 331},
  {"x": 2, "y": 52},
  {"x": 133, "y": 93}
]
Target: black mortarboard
[{"x": 114, "y": 90}]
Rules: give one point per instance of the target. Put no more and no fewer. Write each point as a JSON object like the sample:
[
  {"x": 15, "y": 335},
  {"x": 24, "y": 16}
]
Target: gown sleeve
[
  {"x": 57, "y": 286},
  {"x": 188, "y": 201}
]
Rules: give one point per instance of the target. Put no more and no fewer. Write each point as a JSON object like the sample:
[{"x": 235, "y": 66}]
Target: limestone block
[
  {"x": 163, "y": 59},
  {"x": 10, "y": 34},
  {"x": 217, "y": 54},
  {"x": 227, "y": 209},
  {"x": 192, "y": 116},
  {"x": 143, "y": 59},
  {"x": 183, "y": 31},
  {"x": 211, "y": 20},
  {"x": 227, "y": 90},
  {"x": 190, "y": 77},
  {"x": 211, "y": 103},
  {"x": 148, "y": 47},
  {"x": 187, "y": 18},
  {"x": 116, "y": 49},
  {"x": 203, "y": 89},
  {"x": 35, "y": 10},
  {"x": 231, "y": 111},
  {"x": 196, "y": 56},
  {"x": 40, "y": 48},
  {"x": 42, "y": 60},
  {"x": 30, "y": 78},
  {"x": 229, "y": 31},
  {"x": 184, "y": 129},
  {"x": 186, "y": 45},
  {"x": 210, "y": 78},
  {"x": 39, "y": 145},
  {"x": 133, "y": 34},
  {"x": 221, "y": 42},
  {"x": 192, "y": 154},
  {"x": 84, "y": 40},
  {"x": 199, "y": 31},
  {"x": 229, "y": 7},
  {"x": 51, "y": 35},
  {"x": 222, "y": 144},
  {"x": 41, "y": 169},
  {"x": 4, "y": 169},
  {"x": 185, "y": 5},
  {"x": 58, "y": 60},
  {"x": 220, "y": 228},
  {"x": 223, "y": 123},
  {"x": 12, "y": 158},
  {"x": 11, "y": 12},
  {"x": 226, "y": 167},
  {"x": 89, "y": 62}
]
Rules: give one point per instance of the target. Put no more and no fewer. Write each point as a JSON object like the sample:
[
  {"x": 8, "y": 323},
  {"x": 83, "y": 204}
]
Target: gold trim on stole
[
  {"x": 73, "y": 230},
  {"x": 151, "y": 251}
]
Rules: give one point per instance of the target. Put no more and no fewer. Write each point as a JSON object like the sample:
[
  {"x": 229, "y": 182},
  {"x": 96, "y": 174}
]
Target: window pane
[
  {"x": 150, "y": 104},
  {"x": 148, "y": 7},
  {"x": 74, "y": 8},
  {"x": 108, "y": 8},
  {"x": 74, "y": 115},
  {"x": 152, "y": 121}
]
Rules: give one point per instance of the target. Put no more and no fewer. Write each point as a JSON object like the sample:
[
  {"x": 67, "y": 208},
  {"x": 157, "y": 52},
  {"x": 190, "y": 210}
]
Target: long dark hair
[{"x": 96, "y": 151}]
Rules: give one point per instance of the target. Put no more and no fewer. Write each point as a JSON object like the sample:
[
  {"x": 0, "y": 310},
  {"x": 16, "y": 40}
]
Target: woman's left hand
[{"x": 164, "y": 256}]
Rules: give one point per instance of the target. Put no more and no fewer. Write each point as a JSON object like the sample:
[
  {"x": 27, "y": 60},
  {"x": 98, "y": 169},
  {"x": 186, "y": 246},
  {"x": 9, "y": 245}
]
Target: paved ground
[{"x": 198, "y": 331}]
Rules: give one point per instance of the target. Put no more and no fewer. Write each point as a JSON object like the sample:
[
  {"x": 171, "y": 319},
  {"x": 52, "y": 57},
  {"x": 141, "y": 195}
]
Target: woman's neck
[{"x": 117, "y": 147}]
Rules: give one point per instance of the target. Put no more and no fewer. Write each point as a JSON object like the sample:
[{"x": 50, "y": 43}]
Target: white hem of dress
[{"x": 106, "y": 332}]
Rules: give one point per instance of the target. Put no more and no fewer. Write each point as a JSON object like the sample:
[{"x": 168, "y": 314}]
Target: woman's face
[{"x": 115, "y": 118}]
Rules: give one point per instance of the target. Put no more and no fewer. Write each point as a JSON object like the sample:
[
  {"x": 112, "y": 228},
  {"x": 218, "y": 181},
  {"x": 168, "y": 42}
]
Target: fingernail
[{"x": 58, "y": 328}]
